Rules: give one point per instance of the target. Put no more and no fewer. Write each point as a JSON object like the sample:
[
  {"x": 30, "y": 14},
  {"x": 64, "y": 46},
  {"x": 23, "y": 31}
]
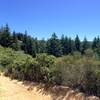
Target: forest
[{"x": 55, "y": 61}]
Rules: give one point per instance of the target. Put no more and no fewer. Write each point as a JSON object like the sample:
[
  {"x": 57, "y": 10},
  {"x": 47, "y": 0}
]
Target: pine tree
[
  {"x": 77, "y": 44},
  {"x": 5, "y": 36},
  {"x": 97, "y": 49},
  {"x": 42, "y": 46},
  {"x": 54, "y": 46},
  {"x": 36, "y": 44},
  {"x": 15, "y": 44},
  {"x": 94, "y": 44},
  {"x": 64, "y": 43},
  {"x": 85, "y": 45},
  {"x": 30, "y": 47},
  {"x": 71, "y": 46},
  {"x": 25, "y": 43}
]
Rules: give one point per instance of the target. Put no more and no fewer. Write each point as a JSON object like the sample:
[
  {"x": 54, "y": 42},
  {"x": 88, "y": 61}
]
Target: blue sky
[{"x": 43, "y": 17}]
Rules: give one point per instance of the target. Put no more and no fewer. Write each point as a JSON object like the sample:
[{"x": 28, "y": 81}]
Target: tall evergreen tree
[
  {"x": 97, "y": 46},
  {"x": 15, "y": 44},
  {"x": 30, "y": 47},
  {"x": 94, "y": 44},
  {"x": 77, "y": 44},
  {"x": 85, "y": 45},
  {"x": 64, "y": 43},
  {"x": 71, "y": 45},
  {"x": 54, "y": 46},
  {"x": 20, "y": 36},
  {"x": 36, "y": 44},
  {"x": 25, "y": 43},
  {"x": 42, "y": 46},
  {"x": 5, "y": 36}
]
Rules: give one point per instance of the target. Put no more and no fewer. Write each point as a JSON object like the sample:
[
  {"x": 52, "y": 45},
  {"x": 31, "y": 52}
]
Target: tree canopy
[{"x": 52, "y": 46}]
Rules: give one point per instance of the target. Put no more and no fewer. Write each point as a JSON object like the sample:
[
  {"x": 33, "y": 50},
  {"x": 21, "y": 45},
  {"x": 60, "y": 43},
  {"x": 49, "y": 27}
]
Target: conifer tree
[
  {"x": 54, "y": 46},
  {"x": 85, "y": 45},
  {"x": 77, "y": 44}
]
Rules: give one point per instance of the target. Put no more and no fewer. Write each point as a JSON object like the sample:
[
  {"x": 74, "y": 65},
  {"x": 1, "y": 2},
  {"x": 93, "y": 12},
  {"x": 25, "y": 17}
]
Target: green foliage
[
  {"x": 46, "y": 63},
  {"x": 80, "y": 72},
  {"x": 54, "y": 46},
  {"x": 85, "y": 45},
  {"x": 21, "y": 66},
  {"x": 15, "y": 44},
  {"x": 64, "y": 43},
  {"x": 69, "y": 68},
  {"x": 96, "y": 45},
  {"x": 89, "y": 53},
  {"x": 77, "y": 43},
  {"x": 5, "y": 38},
  {"x": 68, "y": 45},
  {"x": 42, "y": 46}
]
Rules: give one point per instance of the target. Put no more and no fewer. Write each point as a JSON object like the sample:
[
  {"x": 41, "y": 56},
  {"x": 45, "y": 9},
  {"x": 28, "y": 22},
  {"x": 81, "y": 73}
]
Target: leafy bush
[
  {"x": 77, "y": 71},
  {"x": 80, "y": 72},
  {"x": 21, "y": 66}
]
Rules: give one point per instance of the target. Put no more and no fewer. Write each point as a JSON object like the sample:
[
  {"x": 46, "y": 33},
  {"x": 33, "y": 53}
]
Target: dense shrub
[
  {"x": 46, "y": 62},
  {"x": 77, "y": 71},
  {"x": 80, "y": 72},
  {"x": 21, "y": 66}
]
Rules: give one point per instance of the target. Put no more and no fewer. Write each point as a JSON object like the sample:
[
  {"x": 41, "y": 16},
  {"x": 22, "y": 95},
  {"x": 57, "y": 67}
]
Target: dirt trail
[{"x": 13, "y": 90}]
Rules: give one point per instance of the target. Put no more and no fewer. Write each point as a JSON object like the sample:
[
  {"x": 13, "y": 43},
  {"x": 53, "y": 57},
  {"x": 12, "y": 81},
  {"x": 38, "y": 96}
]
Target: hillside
[
  {"x": 79, "y": 72},
  {"x": 13, "y": 90},
  {"x": 76, "y": 71},
  {"x": 50, "y": 50},
  {"x": 16, "y": 90}
]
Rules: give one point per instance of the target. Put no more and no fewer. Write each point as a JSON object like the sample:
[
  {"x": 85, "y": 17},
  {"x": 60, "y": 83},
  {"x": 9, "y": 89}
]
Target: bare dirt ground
[
  {"x": 14, "y": 90},
  {"x": 17, "y": 90}
]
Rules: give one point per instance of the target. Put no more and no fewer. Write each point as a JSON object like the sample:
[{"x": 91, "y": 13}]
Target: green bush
[
  {"x": 77, "y": 71},
  {"x": 80, "y": 72},
  {"x": 45, "y": 62},
  {"x": 23, "y": 67}
]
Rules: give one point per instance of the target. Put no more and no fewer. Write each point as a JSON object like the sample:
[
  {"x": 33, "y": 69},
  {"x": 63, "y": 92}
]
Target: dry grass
[{"x": 17, "y": 90}]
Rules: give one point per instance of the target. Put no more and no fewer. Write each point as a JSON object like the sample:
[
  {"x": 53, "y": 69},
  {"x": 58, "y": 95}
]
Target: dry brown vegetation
[{"x": 17, "y": 90}]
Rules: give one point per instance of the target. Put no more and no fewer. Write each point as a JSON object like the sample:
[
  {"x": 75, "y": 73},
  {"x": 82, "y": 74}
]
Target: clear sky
[{"x": 43, "y": 17}]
